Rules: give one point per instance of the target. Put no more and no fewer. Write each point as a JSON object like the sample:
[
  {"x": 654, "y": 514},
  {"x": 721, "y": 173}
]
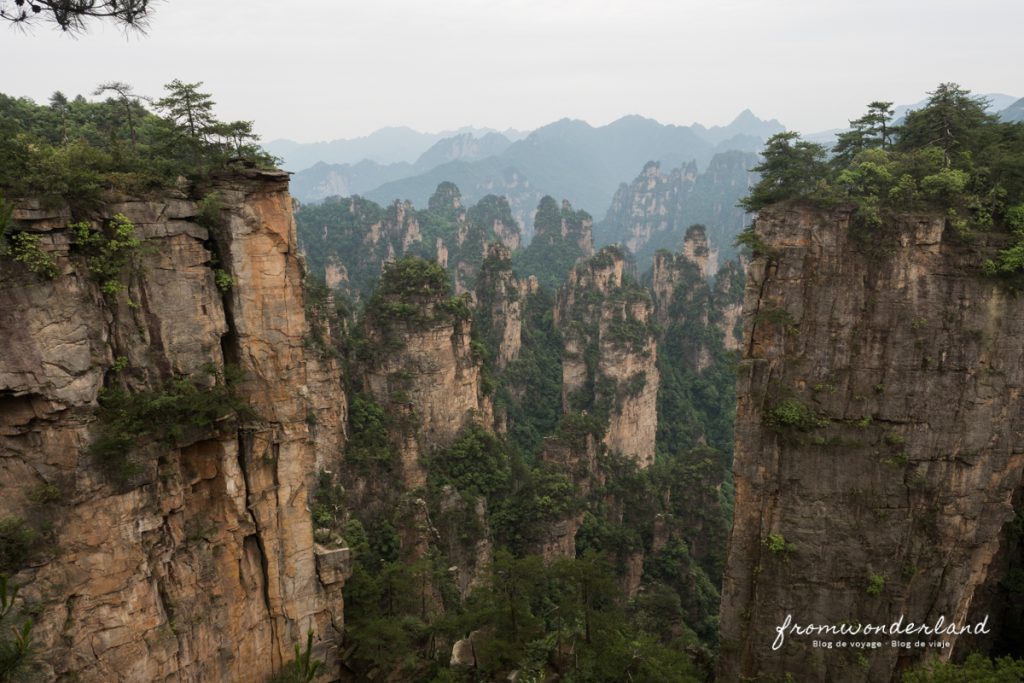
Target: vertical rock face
[
  {"x": 610, "y": 359},
  {"x": 669, "y": 271},
  {"x": 727, "y": 296},
  {"x": 696, "y": 249},
  {"x": 423, "y": 367},
  {"x": 577, "y": 229},
  {"x": 500, "y": 298},
  {"x": 682, "y": 293},
  {"x": 877, "y": 441},
  {"x": 202, "y": 566}
]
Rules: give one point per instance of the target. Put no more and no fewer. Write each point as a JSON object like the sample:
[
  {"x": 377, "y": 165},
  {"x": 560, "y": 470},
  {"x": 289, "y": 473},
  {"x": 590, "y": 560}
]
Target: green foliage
[
  {"x": 74, "y": 150},
  {"x": 334, "y": 233},
  {"x": 108, "y": 251},
  {"x": 550, "y": 255},
  {"x": 44, "y": 494},
  {"x": 876, "y": 584},
  {"x": 952, "y": 120},
  {"x": 1010, "y": 260},
  {"x": 302, "y": 669},
  {"x": 948, "y": 156},
  {"x": 6, "y": 219},
  {"x": 390, "y": 620},
  {"x": 368, "y": 433},
  {"x": 871, "y": 131},
  {"x": 629, "y": 333},
  {"x": 25, "y": 248},
  {"x": 791, "y": 168},
  {"x": 776, "y": 543},
  {"x": 534, "y": 498},
  {"x": 358, "y": 237},
  {"x": 750, "y": 239},
  {"x": 328, "y": 511},
  {"x": 128, "y": 420},
  {"x": 223, "y": 279},
  {"x": 561, "y": 617},
  {"x": 476, "y": 463},
  {"x": 415, "y": 291},
  {"x": 18, "y": 542},
  {"x": 894, "y": 439},
  {"x": 209, "y": 210},
  {"x": 530, "y": 389},
  {"x": 975, "y": 669},
  {"x": 574, "y": 428},
  {"x": 791, "y": 413},
  {"x": 16, "y": 653}
]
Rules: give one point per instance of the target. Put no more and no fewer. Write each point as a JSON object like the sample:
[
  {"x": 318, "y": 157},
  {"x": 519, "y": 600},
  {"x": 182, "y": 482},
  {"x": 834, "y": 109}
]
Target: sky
[{"x": 328, "y": 69}]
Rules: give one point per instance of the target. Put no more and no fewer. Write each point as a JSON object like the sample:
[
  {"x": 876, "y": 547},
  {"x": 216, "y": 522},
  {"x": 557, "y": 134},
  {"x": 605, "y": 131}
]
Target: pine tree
[
  {"x": 873, "y": 130},
  {"x": 73, "y": 15},
  {"x": 189, "y": 108},
  {"x": 952, "y": 121},
  {"x": 791, "y": 168}
]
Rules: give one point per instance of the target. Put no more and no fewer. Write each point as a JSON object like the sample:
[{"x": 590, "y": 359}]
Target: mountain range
[
  {"x": 390, "y": 145},
  {"x": 568, "y": 159}
]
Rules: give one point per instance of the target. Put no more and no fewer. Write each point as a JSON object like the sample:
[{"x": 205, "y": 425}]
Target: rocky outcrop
[
  {"x": 610, "y": 359},
  {"x": 877, "y": 441},
  {"x": 347, "y": 241},
  {"x": 201, "y": 565},
  {"x": 562, "y": 237},
  {"x": 421, "y": 365},
  {"x": 655, "y": 210},
  {"x": 683, "y": 296},
  {"x": 500, "y": 298},
  {"x": 727, "y": 303},
  {"x": 650, "y": 205},
  {"x": 678, "y": 280}
]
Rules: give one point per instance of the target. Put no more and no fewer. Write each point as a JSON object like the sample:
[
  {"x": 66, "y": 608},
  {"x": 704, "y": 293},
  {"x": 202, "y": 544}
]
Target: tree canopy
[
  {"x": 73, "y": 150},
  {"x": 950, "y": 156}
]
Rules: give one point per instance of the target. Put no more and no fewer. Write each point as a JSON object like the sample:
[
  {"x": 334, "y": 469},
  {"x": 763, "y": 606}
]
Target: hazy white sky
[{"x": 324, "y": 69}]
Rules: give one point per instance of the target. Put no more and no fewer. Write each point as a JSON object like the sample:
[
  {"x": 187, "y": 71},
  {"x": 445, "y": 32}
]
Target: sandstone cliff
[
  {"x": 201, "y": 565},
  {"x": 500, "y": 299},
  {"x": 684, "y": 296},
  {"x": 420, "y": 363},
  {"x": 877, "y": 441},
  {"x": 610, "y": 361}
]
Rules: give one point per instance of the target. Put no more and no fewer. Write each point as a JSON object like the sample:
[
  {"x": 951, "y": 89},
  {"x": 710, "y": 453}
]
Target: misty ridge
[{"x": 566, "y": 159}]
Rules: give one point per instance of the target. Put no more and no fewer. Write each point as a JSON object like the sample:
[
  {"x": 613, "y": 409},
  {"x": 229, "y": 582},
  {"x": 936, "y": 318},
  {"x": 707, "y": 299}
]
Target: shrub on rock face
[{"x": 793, "y": 414}]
